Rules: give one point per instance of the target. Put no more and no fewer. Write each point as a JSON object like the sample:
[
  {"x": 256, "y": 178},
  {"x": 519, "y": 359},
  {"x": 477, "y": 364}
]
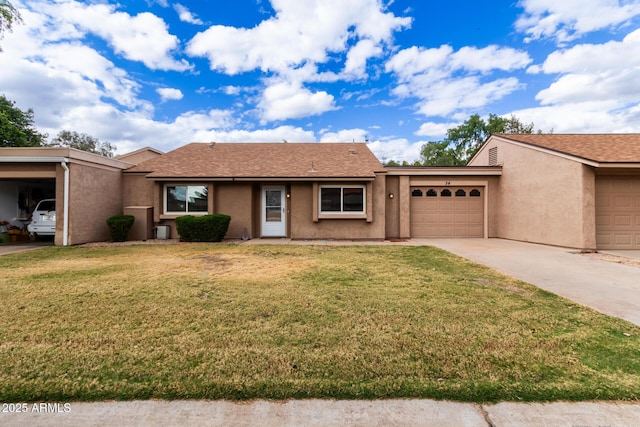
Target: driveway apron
[{"x": 608, "y": 287}]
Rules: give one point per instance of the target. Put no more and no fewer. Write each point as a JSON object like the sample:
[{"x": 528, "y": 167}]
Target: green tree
[
  {"x": 82, "y": 141},
  {"x": 462, "y": 142},
  {"x": 16, "y": 126},
  {"x": 9, "y": 16}
]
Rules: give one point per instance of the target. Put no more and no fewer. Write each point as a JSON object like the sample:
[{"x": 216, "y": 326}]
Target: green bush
[
  {"x": 4, "y": 238},
  {"x": 119, "y": 226},
  {"x": 206, "y": 228}
]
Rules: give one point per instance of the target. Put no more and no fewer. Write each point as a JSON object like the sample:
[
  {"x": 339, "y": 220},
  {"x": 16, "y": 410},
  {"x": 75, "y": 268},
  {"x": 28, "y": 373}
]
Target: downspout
[{"x": 65, "y": 226}]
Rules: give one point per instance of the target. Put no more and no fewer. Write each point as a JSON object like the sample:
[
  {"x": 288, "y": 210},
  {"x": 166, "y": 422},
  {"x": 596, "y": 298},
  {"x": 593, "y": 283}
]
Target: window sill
[
  {"x": 342, "y": 216},
  {"x": 176, "y": 215}
]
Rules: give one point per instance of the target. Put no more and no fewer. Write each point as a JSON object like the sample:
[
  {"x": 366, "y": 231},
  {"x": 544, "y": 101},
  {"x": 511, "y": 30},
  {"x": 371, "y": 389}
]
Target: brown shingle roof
[
  {"x": 264, "y": 160},
  {"x": 603, "y": 148}
]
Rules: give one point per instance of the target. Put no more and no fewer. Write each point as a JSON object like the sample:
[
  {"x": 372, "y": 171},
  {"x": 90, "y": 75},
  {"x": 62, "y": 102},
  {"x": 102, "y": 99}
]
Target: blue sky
[{"x": 164, "y": 73}]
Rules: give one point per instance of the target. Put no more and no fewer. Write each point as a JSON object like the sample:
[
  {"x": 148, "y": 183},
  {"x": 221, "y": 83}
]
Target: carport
[{"x": 86, "y": 186}]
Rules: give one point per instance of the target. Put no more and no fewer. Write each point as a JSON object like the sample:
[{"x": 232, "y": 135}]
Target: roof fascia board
[
  {"x": 258, "y": 178},
  {"x": 72, "y": 158},
  {"x": 445, "y": 171},
  {"x": 619, "y": 165},
  {"x": 28, "y": 159}
]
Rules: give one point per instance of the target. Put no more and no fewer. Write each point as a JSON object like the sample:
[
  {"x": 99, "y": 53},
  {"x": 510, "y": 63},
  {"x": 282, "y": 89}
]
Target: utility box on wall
[
  {"x": 163, "y": 232},
  {"x": 143, "y": 225}
]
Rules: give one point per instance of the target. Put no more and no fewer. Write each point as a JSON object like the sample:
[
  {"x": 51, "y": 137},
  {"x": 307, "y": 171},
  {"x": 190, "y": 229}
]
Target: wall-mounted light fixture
[
  {"x": 391, "y": 195},
  {"x": 288, "y": 196}
]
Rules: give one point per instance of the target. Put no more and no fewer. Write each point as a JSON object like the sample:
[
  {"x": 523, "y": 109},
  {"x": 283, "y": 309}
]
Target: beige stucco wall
[
  {"x": 94, "y": 196},
  {"x": 392, "y": 208},
  {"x": 137, "y": 190},
  {"x": 301, "y": 218},
  {"x": 542, "y": 197},
  {"x": 236, "y": 200}
]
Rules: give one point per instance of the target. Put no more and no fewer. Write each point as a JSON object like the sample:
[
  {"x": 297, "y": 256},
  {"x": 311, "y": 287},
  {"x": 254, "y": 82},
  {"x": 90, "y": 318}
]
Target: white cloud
[
  {"x": 594, "y": 88},
  {"x": 447, "y": 81},
  {"x": 284, "y": 100},
  {"x": 397, "y": 149},
  {"x": 606, "y": 72},
  {"x": 436, "y": 131},
  {"x": 186, "y": 16},
  {"x": 319, "y": 27},
  {"x": 580, "y": 118},
  {"x": 167, "y": 93},
  {"x": 356, "y": 64},
  {"x": 344, "y": 135},
  {"x": 278, "y": 134},
  {"x": 567, "y": 20},
  {"x": 144, "y": 37}
]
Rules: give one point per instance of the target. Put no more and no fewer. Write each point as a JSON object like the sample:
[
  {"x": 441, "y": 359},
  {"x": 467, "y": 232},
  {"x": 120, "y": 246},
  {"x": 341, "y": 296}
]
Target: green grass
[{"x": 246, "y": 321}]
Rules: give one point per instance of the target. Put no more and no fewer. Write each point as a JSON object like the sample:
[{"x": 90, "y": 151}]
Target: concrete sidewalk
[{"x": 327, "y": 413}]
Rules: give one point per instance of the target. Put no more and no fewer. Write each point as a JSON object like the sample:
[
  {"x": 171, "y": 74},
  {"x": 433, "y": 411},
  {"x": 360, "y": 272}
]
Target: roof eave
[
  {"x": 618, "y": 165},
  {"x": 261, "y": 178},
  {"x": 445, "y": 170}
]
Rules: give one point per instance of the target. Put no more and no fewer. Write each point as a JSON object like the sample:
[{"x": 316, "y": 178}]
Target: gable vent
[{"x": 493, "y": 156}]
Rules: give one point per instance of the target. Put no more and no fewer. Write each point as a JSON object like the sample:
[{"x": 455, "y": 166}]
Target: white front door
[{"x": 274, "y": 211}]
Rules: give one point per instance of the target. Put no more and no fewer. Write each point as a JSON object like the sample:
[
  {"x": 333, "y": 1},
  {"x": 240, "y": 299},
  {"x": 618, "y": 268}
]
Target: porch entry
[{"x": 274, "y": 211}]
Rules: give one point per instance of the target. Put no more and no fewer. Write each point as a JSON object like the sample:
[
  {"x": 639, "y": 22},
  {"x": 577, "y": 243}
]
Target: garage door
[
  {"x": 447, "y": 211},
  {"x": 617, "y": 213}
]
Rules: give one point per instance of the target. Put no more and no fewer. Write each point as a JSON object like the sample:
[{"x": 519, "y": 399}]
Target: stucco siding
[
  {"x": 541, "y": 197},
  {"x": 302, "y": 216},
  {"x": 392, "y": 208},
  {"x": 236, "y": 200},
  {"x": 94, "y": 195},
  {"x": 137, "y": 190}
]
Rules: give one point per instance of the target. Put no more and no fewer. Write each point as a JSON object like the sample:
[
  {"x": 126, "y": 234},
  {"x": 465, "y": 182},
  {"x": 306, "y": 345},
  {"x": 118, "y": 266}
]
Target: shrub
[
  {"x": 119, "y": 226},
  {"x": 206, "y": 228}
]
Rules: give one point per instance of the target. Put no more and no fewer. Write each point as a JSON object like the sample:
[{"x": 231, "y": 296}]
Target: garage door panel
[
  {"x": 623, "y": 202},
  {"x": 458, "y": 215},
  {"x": 604, "y": 240},
  {"x": 603, "y": 220},
  {"x": 603, "y": 201},
  {"x": 475, "y": 218},
  {"x": 622, "y": 239},
  {"x": 618, "y": 212},
  {"x": 475, "y": 205}
]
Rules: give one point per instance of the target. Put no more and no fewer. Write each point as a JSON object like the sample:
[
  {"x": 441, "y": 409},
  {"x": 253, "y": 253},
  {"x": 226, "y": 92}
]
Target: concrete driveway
[{"x": 608, "y": 287}]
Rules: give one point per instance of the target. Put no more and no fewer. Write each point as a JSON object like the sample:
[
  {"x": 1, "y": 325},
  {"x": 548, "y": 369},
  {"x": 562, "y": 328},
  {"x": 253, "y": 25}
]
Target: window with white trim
[
  {"x": 342, "y": 199},
  {"x": 186, "y": 199}
]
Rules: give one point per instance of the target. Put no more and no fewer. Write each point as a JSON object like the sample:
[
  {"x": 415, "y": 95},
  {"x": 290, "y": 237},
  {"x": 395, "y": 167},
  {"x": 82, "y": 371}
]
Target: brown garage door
[
  {"x": 617, "y": 213},
  {"x": 447, "y": 211}
]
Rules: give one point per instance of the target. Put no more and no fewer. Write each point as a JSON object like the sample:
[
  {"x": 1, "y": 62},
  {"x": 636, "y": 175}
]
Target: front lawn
[{"x": 233, "y": 321}]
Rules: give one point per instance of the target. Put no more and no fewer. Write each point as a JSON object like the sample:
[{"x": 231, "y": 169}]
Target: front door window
[{"x": 273, "y": 208}]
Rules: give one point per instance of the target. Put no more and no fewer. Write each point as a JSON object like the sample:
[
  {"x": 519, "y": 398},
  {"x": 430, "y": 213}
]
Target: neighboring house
[
  {"x": 87, "y": 188},
  {"x": 579, "y": 191}
]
